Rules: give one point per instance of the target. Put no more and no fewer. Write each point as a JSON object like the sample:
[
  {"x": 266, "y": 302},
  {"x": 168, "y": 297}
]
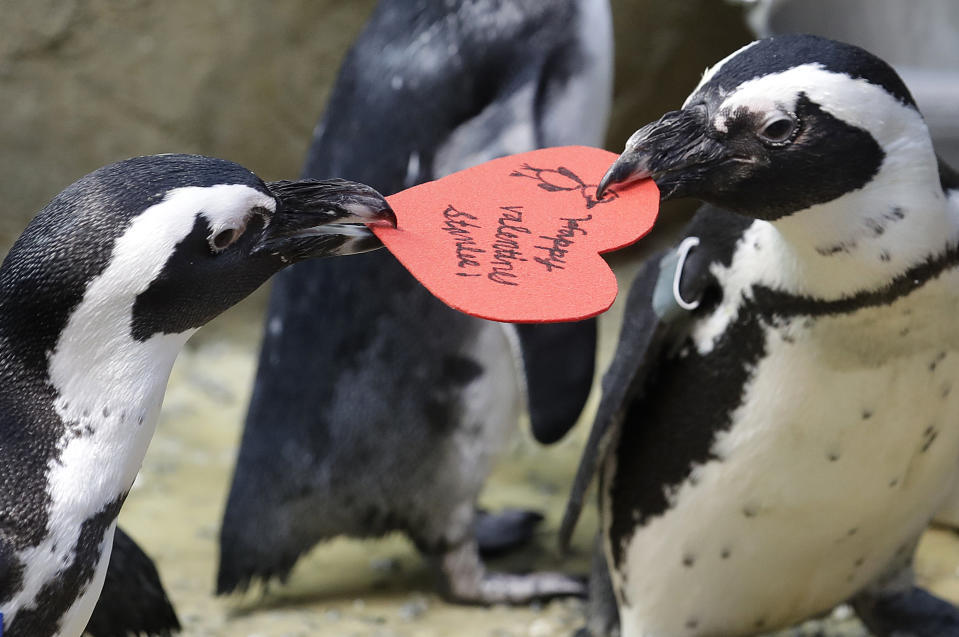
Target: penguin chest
[
  {"x": 106, "y": 410},
  {"x": 488, "y": 409},
  {"x": 482, "y": 412},
  {"x": 844, "y": 442}
]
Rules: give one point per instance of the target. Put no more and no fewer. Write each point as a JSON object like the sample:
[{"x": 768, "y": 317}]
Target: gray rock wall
[{"x": 87, "y": 82}]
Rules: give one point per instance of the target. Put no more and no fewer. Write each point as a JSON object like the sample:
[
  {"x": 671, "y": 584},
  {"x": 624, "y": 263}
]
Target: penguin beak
[
  {"x": 322, "y": 218},
  {"x": 674, "y": 151}
]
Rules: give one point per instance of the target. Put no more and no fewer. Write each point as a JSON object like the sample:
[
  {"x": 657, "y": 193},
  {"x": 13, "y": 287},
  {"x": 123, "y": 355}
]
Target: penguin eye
[
  {"x": 779, "y": 129},
  {"x": 224, "y": 239}
]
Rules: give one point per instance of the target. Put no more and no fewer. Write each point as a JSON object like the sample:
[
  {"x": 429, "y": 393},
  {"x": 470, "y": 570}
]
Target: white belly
[
  {"x": 845, "y": 443},
  {"x": 490, "y": 410}
]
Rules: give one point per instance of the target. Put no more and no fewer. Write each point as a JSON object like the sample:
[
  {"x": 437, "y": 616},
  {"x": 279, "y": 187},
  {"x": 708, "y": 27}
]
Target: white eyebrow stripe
[{"x": 711, "y": 71}]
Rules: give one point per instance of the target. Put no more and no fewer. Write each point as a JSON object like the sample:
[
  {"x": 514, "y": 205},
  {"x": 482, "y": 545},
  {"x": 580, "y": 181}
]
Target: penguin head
[
  {"x": 782, "y": 125},
  {"x": 165, "y": 243}
]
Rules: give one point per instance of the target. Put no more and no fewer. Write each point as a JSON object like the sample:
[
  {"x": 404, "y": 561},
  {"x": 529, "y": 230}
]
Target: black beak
[
  {"x": 673, "y": 152},
  {"x": 322, "y": 218}
]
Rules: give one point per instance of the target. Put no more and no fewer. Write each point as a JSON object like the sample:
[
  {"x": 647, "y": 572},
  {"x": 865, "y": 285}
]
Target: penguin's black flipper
[
  {"x": 914, "y": 612},
  {"x": 948, "y": 176},
  {"x": 642, "y": 337},
  {"x": 662, "y": 300},
  {"x": 559, "y": 361},
  {"x": 670, "y": 289},
  {"x": 602, "y": 615},
  {"x": 133, "y": 601}
]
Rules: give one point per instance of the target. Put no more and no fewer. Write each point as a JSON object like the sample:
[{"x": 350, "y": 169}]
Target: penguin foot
[
  {"x": 464, "y": 579},
  {"x": 909, "y": 613},
  {"x": 502, "y": 532}
]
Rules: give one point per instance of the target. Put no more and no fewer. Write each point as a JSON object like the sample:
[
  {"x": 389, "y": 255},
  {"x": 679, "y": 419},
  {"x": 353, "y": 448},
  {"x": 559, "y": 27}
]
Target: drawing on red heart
[{"x": 562, "y": 179}]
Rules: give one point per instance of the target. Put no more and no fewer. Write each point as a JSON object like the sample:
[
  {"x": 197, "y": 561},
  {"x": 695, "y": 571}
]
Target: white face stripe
[
  {"x": 711, "y": 71},
  {"x": 110, "y": 386},
  {"x": 794, "y": 253},
  {"x": 226, "y": 205},
  {"x": 98, "y": 332},
  {"x": 854, "y": 101}
]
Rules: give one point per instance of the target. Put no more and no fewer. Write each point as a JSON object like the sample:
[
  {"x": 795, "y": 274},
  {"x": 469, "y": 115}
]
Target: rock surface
[
  {"x": 87, "y": 82},
  {"x": 84, "y": 83}
]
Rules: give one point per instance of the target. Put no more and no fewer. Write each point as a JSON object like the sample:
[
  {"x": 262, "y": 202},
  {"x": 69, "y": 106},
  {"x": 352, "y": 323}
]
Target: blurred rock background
[{"x": 87, "y": 82}]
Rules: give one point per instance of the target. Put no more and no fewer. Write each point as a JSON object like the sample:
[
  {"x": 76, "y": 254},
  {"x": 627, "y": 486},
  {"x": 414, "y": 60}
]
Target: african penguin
[
  {"x": 97, "y": 297},
  {"x": 427, "y": 89},
  {"x": 781, "y": 418}
]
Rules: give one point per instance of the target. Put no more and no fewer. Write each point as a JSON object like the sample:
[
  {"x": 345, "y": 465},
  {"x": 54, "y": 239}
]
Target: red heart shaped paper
[{"x": 518, "y": 239}]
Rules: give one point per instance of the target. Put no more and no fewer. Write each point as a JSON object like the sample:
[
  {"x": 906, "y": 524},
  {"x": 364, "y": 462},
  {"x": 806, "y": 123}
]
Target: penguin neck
[
  {"x": 106, "y": 390},
  {"x": 109, "y": 388},
  {"x": 868, "y": 237}
]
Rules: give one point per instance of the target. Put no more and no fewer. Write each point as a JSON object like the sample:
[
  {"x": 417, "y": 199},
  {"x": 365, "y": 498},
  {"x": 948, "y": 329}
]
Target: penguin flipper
[
  {"x": 948, "y": 176},
  {"x": 133, "y": 601},
  {"x": 913, "y": 611},
  {"x": 602, "y": 614},
  {"x": 645, "y": 335},
  {"x": 559, "y": 362}
]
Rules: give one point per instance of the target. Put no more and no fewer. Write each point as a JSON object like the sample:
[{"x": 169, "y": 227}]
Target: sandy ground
[{"x": 350, "y": 588}]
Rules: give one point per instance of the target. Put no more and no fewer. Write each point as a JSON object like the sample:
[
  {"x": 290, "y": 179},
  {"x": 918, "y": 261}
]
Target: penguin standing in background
[
  {"x": 97, "y": 297},
  {"x": 429, "y": 88},
  {"x": 781, "y": 419}
]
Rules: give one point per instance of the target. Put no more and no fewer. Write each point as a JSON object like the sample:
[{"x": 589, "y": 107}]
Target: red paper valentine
[{"x": 518, "y": 239}]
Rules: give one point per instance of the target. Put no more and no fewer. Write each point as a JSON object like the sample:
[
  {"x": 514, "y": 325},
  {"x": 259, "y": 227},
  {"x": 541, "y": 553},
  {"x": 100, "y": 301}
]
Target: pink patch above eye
[{"x": 518, "y": 239}]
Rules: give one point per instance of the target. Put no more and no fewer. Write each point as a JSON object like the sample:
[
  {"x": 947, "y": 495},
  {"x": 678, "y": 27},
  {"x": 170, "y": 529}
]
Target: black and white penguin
[
  {"x": 781, "y": 419},
  {"x": 97, "y": 297},
  {"x": 427, "y": 89}
]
